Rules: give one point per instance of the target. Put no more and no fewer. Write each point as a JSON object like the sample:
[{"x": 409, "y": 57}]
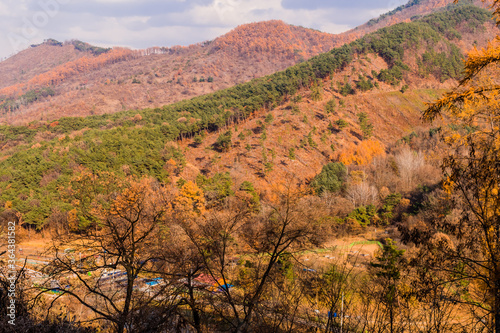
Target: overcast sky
[{"x": 145, "y": 23}]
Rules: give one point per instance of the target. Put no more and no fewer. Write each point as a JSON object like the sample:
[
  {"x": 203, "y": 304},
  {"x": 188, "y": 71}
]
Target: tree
[
  {"x": 331, "y": 178},
  {"x": 362, "y": 193},
  {"x": 341, "y": 123},
  {"x": 216, "y": 189},
  {"x": 223, "y": 142},
  {"x": 330, "y": 106},
  {"x": 191, "y": 200},
  {"x": 472, "y": 170},
  {"x": 364, "y": 84},
  {"x": 365, "y": 124},
  {"x": 345, "y": 89},
  {"x": 103, "y": 265},
  {"x": 218, "y": 236},
  {"x": 316, "y": 92},
  {"x": 334, "y": 290},
  {"x": 386, "y": 269},
  {"x": 409, "y": 163},
  {"x": 254, "y": 200}
]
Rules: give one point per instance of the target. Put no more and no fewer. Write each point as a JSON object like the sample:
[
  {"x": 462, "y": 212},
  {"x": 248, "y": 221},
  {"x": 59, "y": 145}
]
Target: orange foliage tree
[
  {"x": 472, "y": 169},
  {"x": 361, "y": 154}
]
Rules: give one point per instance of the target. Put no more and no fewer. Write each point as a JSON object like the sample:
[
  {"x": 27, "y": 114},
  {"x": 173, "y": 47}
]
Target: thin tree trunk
[
  {"x": 196, "y": 315},
  {"x": 497, "y": 304}
]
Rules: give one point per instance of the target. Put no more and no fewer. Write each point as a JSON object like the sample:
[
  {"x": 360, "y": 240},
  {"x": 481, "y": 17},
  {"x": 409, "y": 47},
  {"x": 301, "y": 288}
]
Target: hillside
[
  {"x": 83, "y": 82},
  {"x": 293, "y": 121},
  {"x": 36, "y": 60}
]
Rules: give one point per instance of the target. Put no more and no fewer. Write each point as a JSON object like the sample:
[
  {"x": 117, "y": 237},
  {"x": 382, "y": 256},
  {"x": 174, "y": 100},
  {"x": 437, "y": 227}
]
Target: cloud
[
  {"x": 339, "y": 4},
  {"x": 123, "y": 8}
]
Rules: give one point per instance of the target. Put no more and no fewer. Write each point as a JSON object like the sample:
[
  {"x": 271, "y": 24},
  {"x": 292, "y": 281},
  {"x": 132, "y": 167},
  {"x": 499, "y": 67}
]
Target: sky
[{"x": 144, "y": 23}]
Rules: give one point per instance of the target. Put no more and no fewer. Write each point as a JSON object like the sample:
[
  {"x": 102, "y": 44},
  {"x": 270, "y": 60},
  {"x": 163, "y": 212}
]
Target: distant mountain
[
  {"x": 55, "y": 79},
  {"x": 34, "y": 61}
]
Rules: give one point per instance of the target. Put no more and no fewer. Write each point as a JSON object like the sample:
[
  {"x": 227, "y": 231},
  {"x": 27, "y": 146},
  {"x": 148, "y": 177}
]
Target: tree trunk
[
  {"x": 496, "y": 308},
  {"x": 196, "y": 315},
  {"x": 391, "y": 317},
  {"x": 128, "y": 299}
]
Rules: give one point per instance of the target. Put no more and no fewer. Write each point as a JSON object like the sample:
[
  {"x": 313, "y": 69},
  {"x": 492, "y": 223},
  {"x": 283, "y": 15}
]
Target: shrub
[
  {"x": 341, "y": 123},
  {"x": 224, "y": 141},
  {"x": 330, "y": 106}
]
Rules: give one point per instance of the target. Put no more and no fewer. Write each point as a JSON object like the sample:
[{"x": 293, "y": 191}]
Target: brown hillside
[
  {"x": 34, "y": 61},
  {"x": 301, "y": 136},
  {"x": 287, "y": 42},
  {"x": 159, "y": 76}
]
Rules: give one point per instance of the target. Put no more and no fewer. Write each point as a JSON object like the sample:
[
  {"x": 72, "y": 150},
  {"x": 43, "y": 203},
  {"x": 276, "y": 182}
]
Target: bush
[
  {"x": 224, "y": 141},
  {"x": 330, "y": 106},
  {"x": 341, "y": 123}
]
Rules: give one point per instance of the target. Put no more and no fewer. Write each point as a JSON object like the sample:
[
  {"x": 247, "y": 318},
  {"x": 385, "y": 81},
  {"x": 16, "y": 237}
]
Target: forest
[{"x": 398, "y": 236}]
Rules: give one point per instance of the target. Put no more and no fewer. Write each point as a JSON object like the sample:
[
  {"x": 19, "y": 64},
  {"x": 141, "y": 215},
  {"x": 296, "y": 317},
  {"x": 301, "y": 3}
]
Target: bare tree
[
  {"x": 263, "y": 239},
  {"x": 409, "y": 163},
  {"x": 101, "y": 265},
  {"x": 362, "y": 194}
]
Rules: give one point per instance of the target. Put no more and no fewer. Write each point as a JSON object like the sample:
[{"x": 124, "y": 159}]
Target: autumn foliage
[
  {"x": 362, "y": 153},
  {"x": 472, "y": 168},
  {"x": 276, "y": 37}
]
